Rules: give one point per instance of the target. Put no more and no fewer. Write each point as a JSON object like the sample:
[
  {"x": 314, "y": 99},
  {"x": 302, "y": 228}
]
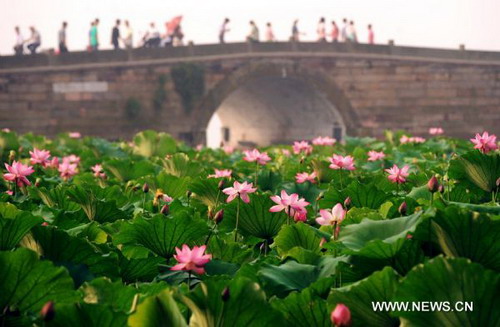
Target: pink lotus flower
[
  {"x": 199, "y": 147},
  {"x": 67, "y": 170},
  {"x": 405, "y": 139},
  {"x": 191, "y": 260},
  {"x": 341, "y": 316},
  {"x": 324, "y": 140},
  {"x": 341, "y": 162},
  {"x": 302, "y": 146},
  {"x": 436, "y": 131},
  {"x": 17, "y": 173},
  {"x": 53, "y": 163},
  {"x": 239, "y": 190},
  {"x": 331, "y": 217},
  {"x": 397, "y": 175},
  {"x": 485, "y": 143},
  {"x": 285, "y": 152},
  {"x": 221, "y": 173},
  {"x": 292, "y": 204},
  {"x": 304, "y": 177},
  {"x": 375, "y": 156},
  {"x": 228, "y": 149},
  {"x": 98, "y": 172},
  {"x": 71, "y": 159},
  {"x": 9, "y": 192},
  {"x": 39, "y": 157},
  {"x": 6, "y": 130},
  {"x": 255, "y": 156},
  {"x": 75, "y": 135}
]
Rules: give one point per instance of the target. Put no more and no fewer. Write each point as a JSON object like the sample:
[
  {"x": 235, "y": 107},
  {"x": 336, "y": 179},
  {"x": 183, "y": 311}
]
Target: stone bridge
[{"x": 253, "y": 93}]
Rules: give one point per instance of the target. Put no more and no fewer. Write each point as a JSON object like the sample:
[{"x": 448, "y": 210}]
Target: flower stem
[
  {"x": 340, "y": 178},
  {"x": 237, "y": 219}
]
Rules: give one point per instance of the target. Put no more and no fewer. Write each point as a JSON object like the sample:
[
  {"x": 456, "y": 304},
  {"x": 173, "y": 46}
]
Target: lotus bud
[
  {"x": 210, "y": 213},
  {"x": 47, "y": 313},
  {"x": 441, "y": 189},
  {"x": 341, "y": 316},
  {"x": 219, "y": 216},
  {"x": 433, "y": 184},
  {"x": 347, "y": 202},
  {"x": 498, "y": 182},
  {"x": 145, "y": 188},
  {"x": 403, "y": 208},
  {"x": 38, "y": 182},
  {"x": 188, "y": 194},
  {"x": 225, "y": 294},
  {"x": 221, "y": 184},
  {"x": 165, "y": 209},
  {"x": 12, "y": 155}
]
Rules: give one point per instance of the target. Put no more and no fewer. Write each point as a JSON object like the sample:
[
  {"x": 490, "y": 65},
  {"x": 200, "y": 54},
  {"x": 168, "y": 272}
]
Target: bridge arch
[{"x": 244, "y": 104}]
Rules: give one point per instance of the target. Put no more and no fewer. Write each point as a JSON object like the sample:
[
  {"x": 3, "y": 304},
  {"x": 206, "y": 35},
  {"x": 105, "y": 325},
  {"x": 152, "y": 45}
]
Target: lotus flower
[
  {"x": 375, "y": 156},
  {"x": 398, "y": 175},
  {"x": 239, "y": 190},
  {"x": 331, "y": 217},
  {"x": 221, "y": 173},
  {"x": 292, "y": 204},
  {"x": 255, "y": 156},
  {"x": 191, "y": 260},
  {"x": 40, "y": 157},
  {"x": 67, "y": 170},
  {"x": 341, "y": 316},
  {"x": 485, "y": 143},
  {"x": 405, "y": 139},
  {"x": 75, "y": 135},
  {"x": 304, "y": 177},
  {"x": 71, "y": 159},
  {"x": 159, "y": 195},
  {"x": 436, "y": 131},
  {"x": 53, "y": 163},
  {"x": 228, "y": 149},
  {"x": 302, "y": 146},
  {"x": 98, "y": 172},
  {"x": 324, "y": 140},
  {"x": 341, "y": 162},
  {"x": 17, "y": 173},
  {"x": 285, "y": 152}
]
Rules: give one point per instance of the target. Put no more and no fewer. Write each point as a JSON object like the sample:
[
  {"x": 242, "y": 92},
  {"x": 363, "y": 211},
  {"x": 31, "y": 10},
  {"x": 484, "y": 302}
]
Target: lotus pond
[{"x": 155, "y": 233}]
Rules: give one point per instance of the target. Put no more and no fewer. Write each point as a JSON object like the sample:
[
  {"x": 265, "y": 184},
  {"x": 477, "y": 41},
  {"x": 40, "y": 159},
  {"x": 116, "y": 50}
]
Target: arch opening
[{"x": 273, "y": 110}]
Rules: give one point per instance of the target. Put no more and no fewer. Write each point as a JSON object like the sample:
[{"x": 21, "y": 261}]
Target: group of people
[
  {"x": 152, "y": 38},
  {"x": 347, "y": 33}
]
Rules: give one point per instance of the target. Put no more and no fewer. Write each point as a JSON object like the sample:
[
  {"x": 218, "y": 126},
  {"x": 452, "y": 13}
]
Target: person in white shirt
[
  {"x": 223, "y": 30},
  {"x": 152, "y": 37},
  {"x": 343, "y": 31},
  {"x": 351, "y": 33},
  {"x": 321, "y": 30},
  {"x": 19, "y": 45},
  {"x": 128, "y": 36},
  {"x": 34, "y": 41}
]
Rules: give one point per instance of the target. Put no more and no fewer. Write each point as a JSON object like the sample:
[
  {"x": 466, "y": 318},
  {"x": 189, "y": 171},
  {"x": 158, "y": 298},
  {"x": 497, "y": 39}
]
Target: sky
[{"x": 428, "y": 23}]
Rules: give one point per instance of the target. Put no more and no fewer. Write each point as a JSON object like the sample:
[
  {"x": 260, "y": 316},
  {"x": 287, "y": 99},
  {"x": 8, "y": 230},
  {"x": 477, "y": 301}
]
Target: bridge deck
[{"x": 148, "y": 56}]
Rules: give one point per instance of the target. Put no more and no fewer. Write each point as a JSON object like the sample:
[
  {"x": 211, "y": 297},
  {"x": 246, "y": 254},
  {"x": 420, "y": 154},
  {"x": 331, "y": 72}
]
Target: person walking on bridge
[
  {"x": 93, "y": 44},
  {"x": 129, "y": 33},
  {"x": 321, "y": 30},
  {"x": 19, "y": 45},
  {"x": 34, "y": 41},
  {"x": 63, "y": 48},
  {"x": 335, "y": 32},
  {"x": 343, "y": 31},
  {"x": 295, "y": 31},
  {"x": 269, "y": 33},
  {"x": 253, "y": 36},
  {"x": 223, "y": 30},
  {"x": 115, "y": 35},
  {"x": 351, "y": 33},
  {"x": 371, "y": 35}
]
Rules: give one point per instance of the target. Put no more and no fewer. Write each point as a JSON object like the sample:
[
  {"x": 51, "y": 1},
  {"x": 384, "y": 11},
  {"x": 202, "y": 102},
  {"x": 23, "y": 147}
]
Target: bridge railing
[{"x": 206, "y": 50}]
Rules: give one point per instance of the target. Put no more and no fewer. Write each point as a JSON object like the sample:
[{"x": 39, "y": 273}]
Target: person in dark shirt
[
  {"x": 115, "y": 35},
  {"x": 63, "y": 48}
]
